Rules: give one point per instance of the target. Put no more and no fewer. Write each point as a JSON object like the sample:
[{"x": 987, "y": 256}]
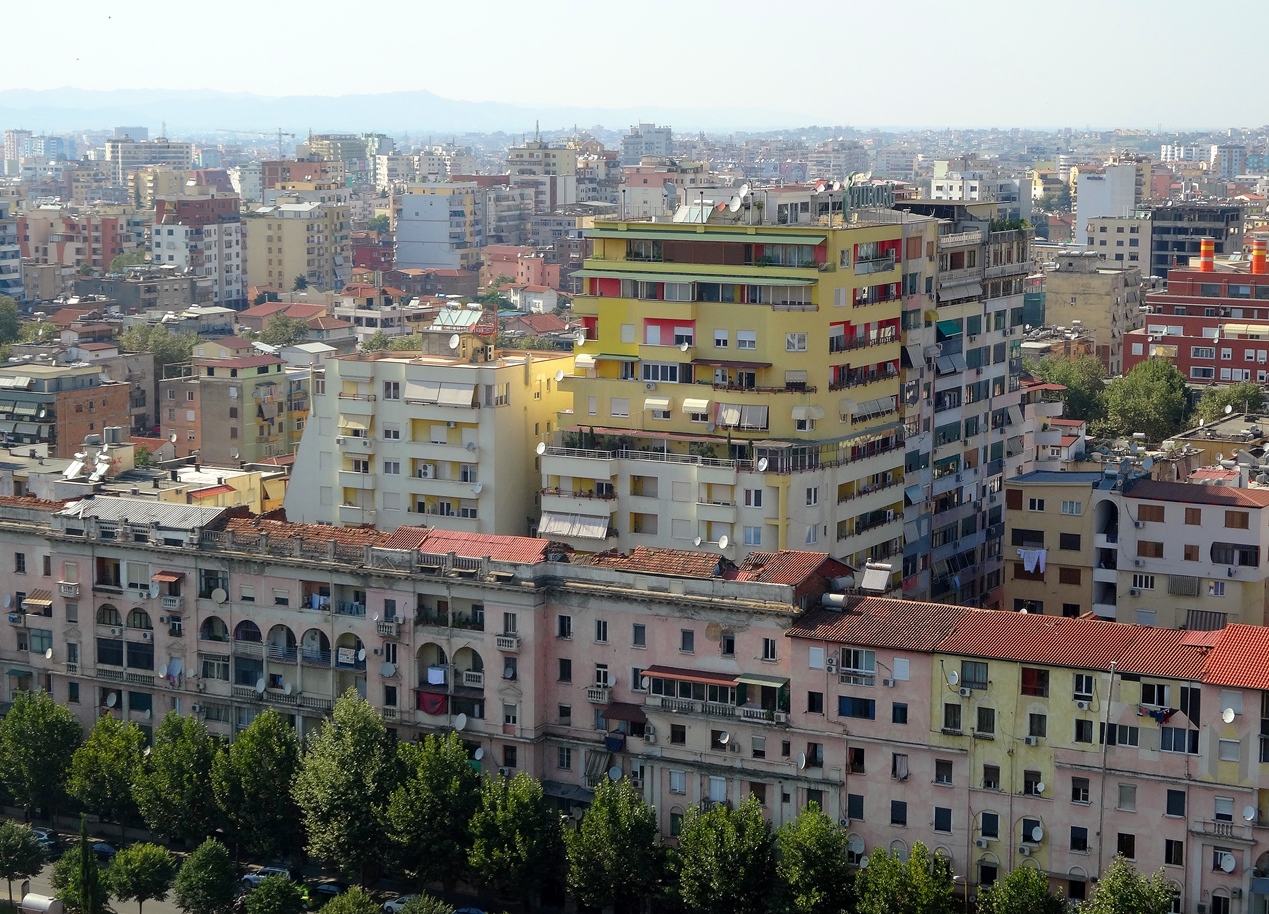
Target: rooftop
[{"x": 1226, "y": 496}]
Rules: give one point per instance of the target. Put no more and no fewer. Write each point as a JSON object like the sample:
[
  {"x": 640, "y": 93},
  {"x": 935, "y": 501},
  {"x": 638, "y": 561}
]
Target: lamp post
[{"x": 963, "y": 881}]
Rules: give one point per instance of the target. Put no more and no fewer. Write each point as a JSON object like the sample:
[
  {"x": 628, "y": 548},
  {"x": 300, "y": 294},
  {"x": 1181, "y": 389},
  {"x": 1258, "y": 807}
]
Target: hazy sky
[{"x": 1137, "y": 63}]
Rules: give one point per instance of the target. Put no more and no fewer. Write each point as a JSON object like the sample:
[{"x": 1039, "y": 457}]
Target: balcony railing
[
  {"x": 785, "y": 389},
  {"x": 282, "y": 653},
  {"x": 67, "y": 589},
  {"x": 851, "y": 343},
  {"x": 386, "y": 629},
  {"x": 473, "y": 679},
  {"x": 598, "y": 695},
  {"x": 509, "y": 643},
  {"x": 315, "y": 658}
]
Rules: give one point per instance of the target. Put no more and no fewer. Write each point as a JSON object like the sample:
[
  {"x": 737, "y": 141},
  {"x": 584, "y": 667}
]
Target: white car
[
  {"x": 251, "y": 880},
  {"x": 394, "y": 905}
]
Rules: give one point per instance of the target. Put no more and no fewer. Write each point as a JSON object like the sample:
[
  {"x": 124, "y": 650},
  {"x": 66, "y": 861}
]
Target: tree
[
  {"x": 1244, "y": 397},
  {"x": 426, "y": 904},
  {"x": 812, "y": 874},
  {"x": 376, "y": 342},
  {"x": 141, "y": 455},
  {"x": 1024, "y": 891},
  {"x": 10, "y": 320},
  {"x": 344, "y": 783},
  {"x": 615, "y": 858},
  {"x": 517, "y": 847},
  {"x": 429, "y": 813},
  {"x": 725, "y": 860},
  {"x": 168, "y": 348},
  {"x": 890, "y": 885},
  {"x": 103, "y": 769},
  {"x": 300, "y": 284},
  {"x": 380, "y": 224},
  {"x": 1151, "y": 399},
  {"x": 1122, "y": 890},
  {"x": 37, "y": 740},
  {"x": 21, "y": 856},
  {"x": 275, "y": 895},
  {"x": 1084, "y": 380},
  {"x": 412, "y": 343},
  {"x": 253, "y": 782},
  {"x": 141, "y": 873},
  {"x": 281, "y": 330},
  {"x": 207, "y": 882},
  {"x": 77, "y": 878},
  {"x": 354, "y": 901},
  {"x": 128, "y": 259},
  {"x": 173, "y": 789}
]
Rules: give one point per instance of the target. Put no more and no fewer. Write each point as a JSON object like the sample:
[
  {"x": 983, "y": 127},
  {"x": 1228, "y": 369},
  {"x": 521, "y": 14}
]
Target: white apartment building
[
  {"x": 1111, "y": 192},
  {"x": 443, "y": 439},
  {"x": 217, "y": 250},
  {"x": 125, "y": 155},
  {"x": 646, "y": 140},
  {"x": 10, "y": 251}
]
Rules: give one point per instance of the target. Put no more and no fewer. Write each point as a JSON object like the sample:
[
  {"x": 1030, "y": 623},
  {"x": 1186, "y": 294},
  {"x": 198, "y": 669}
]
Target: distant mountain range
[{"x": 418, "y": 112}]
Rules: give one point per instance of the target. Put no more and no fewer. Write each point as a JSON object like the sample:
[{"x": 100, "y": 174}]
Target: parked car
[
  {"x": 49, "y": 842},
  {"x": 253, "y": 879},
  {"x": 104, "y": 852},
  {"x": 322, "y": 892},
  {"x": 469, "y": 911},
  {"x": 394, "y": 905}
]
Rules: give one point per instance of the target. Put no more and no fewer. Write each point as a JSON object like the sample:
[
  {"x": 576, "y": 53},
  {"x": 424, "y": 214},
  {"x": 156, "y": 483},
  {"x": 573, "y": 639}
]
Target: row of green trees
[{"x": 1152, "y": 398}]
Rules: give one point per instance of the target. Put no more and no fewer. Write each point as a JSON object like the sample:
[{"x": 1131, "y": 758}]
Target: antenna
[
  {"x": 614, "y": 773},
  {"x": 724, "y": 738},
  {"x": 471, "y": 447},
  {"x": 953, "y": 677},
  {"x": 1037, "y": 834},
  {"x": 260, "y": 686},
  {"x": 479, "y": 753},
  {"x": 736, "y": 203},
  {"x": 801, "y": 760},
  {"x": 111, "y": 700},
  {"x": 696, "y": 542},
  {"x": 478, "y": 488},
  {"x": 684, "y": 346},
  {"x": 286, "y": 688}
]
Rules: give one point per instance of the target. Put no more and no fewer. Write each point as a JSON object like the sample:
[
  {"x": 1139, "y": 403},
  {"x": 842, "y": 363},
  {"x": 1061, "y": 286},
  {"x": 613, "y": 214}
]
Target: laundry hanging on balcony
[{"x": 1033, "y": 560}]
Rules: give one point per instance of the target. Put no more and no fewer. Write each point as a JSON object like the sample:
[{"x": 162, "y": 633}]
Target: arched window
[
  {"x": 108, "y": 615},
  {"x": 139, "y": 618}
]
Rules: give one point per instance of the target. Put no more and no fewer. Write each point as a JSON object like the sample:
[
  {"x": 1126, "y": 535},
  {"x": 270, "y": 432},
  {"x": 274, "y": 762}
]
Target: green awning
[
  {"x": 951, "y": 327},
  {"x": 612, "y": 357},
  {"x": 19, "y": 672},
  {"x": 691, "y": 233},
  {"x": 645, "y": 276},
  {"x": 759, "y": 679}
]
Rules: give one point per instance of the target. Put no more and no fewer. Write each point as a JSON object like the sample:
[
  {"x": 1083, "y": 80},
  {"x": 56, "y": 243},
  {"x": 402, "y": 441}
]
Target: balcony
[
  {"x": 1105, "y": 575},
  {"x": 386, "y": 629},
  {"x": 351, "y": 479},
  {"x": 509, "y": 644},
  {"x": 315, "y": 703},
  {"x": 1230, "y": 831},
  {"x": 146, "y": 679},
  {"x": 472, "y": 679},
  {"x": 172, "y": 603},
  {"x": 248, "y": 649},
  {"x": 960, "y": 239},
  {"x": 357, "y": 443},
  {"x": 598, "y": 695},
  {"x": 67, "y": 589},
  {"x": 315, "y": 658},
  {"x": 245, "y": 692}
]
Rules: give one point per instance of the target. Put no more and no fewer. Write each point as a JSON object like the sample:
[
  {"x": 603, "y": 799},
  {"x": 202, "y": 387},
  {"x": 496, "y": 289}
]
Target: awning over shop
[
  {"x": 693, "y": 405},
  {"x": 621, "y": 710},
  {"x": 674, "y": 672},
  {"x": 585, "y": 526},
  {"x": 456, "y": 394}
]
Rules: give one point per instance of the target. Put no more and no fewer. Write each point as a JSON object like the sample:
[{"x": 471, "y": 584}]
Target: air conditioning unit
[
  {"x": 830, "y": 664},
  {"x": 888, "y": 683},
  {"x": 427, "y": 472},
  {"x": 649, "y": 732},
  {"x": 147, "y": 636},
  {"x": 195, "y": 708},
  {"x": 1033, "y": 740},
  {"x": 1082, "y": 705},
  {"x": 844, "y": 822},
  {"x": 162, "y": 620},
  {"x": 1134, "y": 592},
  {"x": 1140, "y": 525},
  {"x": 507, "y": 772},
  {"x": 114, "y": 631},
  {"x": 649, "y": 385},
  {"x": 981, "y": 842},
  {"x": 965, "y": 693},
  {"x": 451, "y": 425},
  {"x": 1026, "y": 852},
  {"x": 734, "y": 746},
  {"x": 1138, "y": 562}
]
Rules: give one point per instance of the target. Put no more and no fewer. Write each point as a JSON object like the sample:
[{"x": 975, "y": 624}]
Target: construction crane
[{"x": 279, "y": 133}]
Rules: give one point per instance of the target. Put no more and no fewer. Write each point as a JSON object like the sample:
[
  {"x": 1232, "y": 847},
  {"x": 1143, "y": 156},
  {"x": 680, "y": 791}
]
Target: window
[
  {"x": 1237, "y": 520},
  {"x": 19, "y": 562},
  {"x": 952, "y": 717},
  {"x": 746, "y": 339},
  {"x": 990, "y": 825},
  {"x": 639, "y": 637},
  {"x": 1079, "y": 839},
  {"x": 564, "y": 626},
  {"x": 1224, "y": 809},
  {"x": 1031, "y": 783},
  {"x": 1149, "y": 550},
  {"x": 814, "y": 702},
  {"x": 812, "y": 496},
  {"x": 1178, "y": 739},
  {"x": 1073, "y": 507},
  {"x": 1028, "y": 830},
  {"x": 899, "y": 713},
  {"x": 753, "y": 536},
  {"x": 720, "y": 339},
  {"x": 1194, "y": 517},
  {"x": 1191, "y": 553},
  {"x": 392, "y": 467},
  {"x": 1120, "y": 735},
  {"x": 601, "y": 630},
  {"x": 991, "y": 777},
  {"x": 678, "y": 781},
  {"x": 687, "y": 641},
  {"x": 899, "y": 766},
  {"x": 1176, "y": 803},
  {"x": 1127, "y": 797},
  {"x": 1035, "y": 504},
  {"x": 942, "y": 819},
  {"x": 795, "y": 342},
  {"x": 1083, "y": 731},
  {"x": 863, "y": 708},
  {"x": 1069, "y": 541},
  {"x": 601, "y": 676},
  {"x": 768, "y": 649},
  {"x": 1127, "y": 846},
  {"x": 986, "y": 723},
  {"x": 1069, "y": 576},
  {"x": 727, "y": 645},
  {"x": 564, "y": 758},
  {"x": 1202, "y": 352},
  {"x": 1035, "y": 682},
  {"x": 855, "y": 760},
  {"x": 566, "y": 670},
  {"x": 1173, "y": 852},
  {"x": 1228, "y": 749},
  {"x": 855, "y": 807},
  {"x": 678, "y": 734},
  {"x": 898, "y": 813},
  {"x": 1079, "y": 790},
  {"x": 758, "y": 746},
  {"x": 753, "y": 498},
  {"x": 973, "y": 674},
  {"x": 943, "y": 772},
  {"x": 392, "y": 390}
]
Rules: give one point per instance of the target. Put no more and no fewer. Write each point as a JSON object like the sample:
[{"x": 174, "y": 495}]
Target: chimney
[
  {"x": 1207, "y": 255},
  {"x": 1258, "y": 252}
]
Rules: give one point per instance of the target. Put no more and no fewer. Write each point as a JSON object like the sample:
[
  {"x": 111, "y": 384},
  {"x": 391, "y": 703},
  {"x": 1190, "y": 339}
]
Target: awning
[
  {"x": 25, "y": 409},
  {"x": 808, "y": 412},
  {"x": 729, "y": 414},
  {"x": 692, "y": 405},
  {"x": 168, "y": 577},
  {"x": 616, "y": 357},
  {"x": 674, "y": 672},
  {"x": 355, "y": 424},
  {"x": 1015, "y": 415},
  {"x": 915, "y": 357},
  {"x": 931, "y": 315},
  {"x": 962, "y": 290},
  {"x": 847, "y": 406},
  {"x": 16, "y": 672},
  {"x": 753, "y": 417},
  {"x": 945, "y": 365},
  {"x": 914, "y": 495},
  {"x": 725, "y": 363},
  {"x": 659, "y": 403},
  {"x": 647, "y": 276},
  {"x": 951, "y": 327},
  {"x": 683, "y": 232},
  {"x": 958, "y": 361},
  {"x": 585, "y": 526},
  {"x": 584, "y": 362},
  {"x": 27, "y": 428},
  {"x": 422, "y": 391},
  {"x": 7, "y": 427},
  {"x": 567, "y": 792},
  {"x": 6, "y": 406},
  {"x": 456, "y": 395},
  {"x": 39, "y": 598},
  {"x": 759, "y": 679},
  {"x": 620, "y": 710}
]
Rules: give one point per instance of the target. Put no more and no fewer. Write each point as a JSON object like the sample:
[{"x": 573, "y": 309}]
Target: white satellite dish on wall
[
  {"x": 460, "y": 722},
  {"x": 614, "y": 773},
  {"x": 541, "y": 448},
  {"x": 361, "y": 654},
  {"x": 219, "y": 596},
  {"x": 111, "y": 700},
  {"x": 953, "y": 677},
  {"x": 148, "y": 713},
  {"x": 723, "y": 541},
  {"x": 697, "y": 541},
  {"x": 863, "y": 863},
  {"x": 856, "y": 846},
  {"x": 724, "y": 738},
  {"x": 454, "y": 341},
  {"x": 1037, "y": 834},
  {"x": 684, "y": 346},
  {"x": 1249, "y": 813},
  {"x": 479, "y": 753},
  {"x": 286, "y": 688},
  {"x": 763, "y": 464},
  {"x": 1039, "y": 787},
  {"x": 388, "y": 670},
  {"x": 154, "y": 589},
  {"x": 559, "y": 375},
  {"x": 478, "y": 488},
  {"x": 1228, "y": 863},
  {"x": 260, "y": 686},
  {"x": 48, "y": 654},
  {"x": 801, "y": 760},
  {"x": 1228, "y": 715}
]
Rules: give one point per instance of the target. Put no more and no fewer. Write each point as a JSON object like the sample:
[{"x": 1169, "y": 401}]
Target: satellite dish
[
  {"x": 454, "y": 341},
  {"x": 374, "y": 618},
  {"x": 233, "y": 455},
  {"x": 577, "y": 812},
  {"x": 388, "y": 669},
  {"x": 172, "y": 437},
  {"x": 1228, "y": 715},
  {"x": 148, "y": 713},
  {"x": 1227, "y": 863},
  {"x": 541, "y": 448},
  {"x": 614, "y": 773},
  {"x": 460, "y": 722},
  {"x": 259, "y": 686},
  {"x": 1037, "y": 834},
  {"x": 154, "y": 589},
  {"x": 863, "y": 863},
  {"x": 8, "y": 599},
  {"x": 559, "y": 375},
  {"x": 696, "y": 542},
  {"x": 801, "y": 760},
  {"x": 745, "y": 190},
  {"x": 479, "y": 753},
  {"x": 1132, "y": 449},
  {"x": 471, "y": 447},
  {"x": 645, "y": 682},
  {"x": 1249, "y": 813},
  {"x": 736, "y": 203},
  {"x": 724, "y": 738},
  {"x": 1039, "y": 788},
  {"x": 953, "y": 677},
  {"x": 48, "y": 654},
  {"x": 111, "y": 700},
  {"x": 856, "y": 846},
  {"x": 763, "y": 463},
  {"x": 1229, "y": 408},
  {"x": 361, "y": 654},
  {"x": 723, "y": 541},
  {"x": 286, "y": 688},
  {"x": 219, "y": 596},
  {"x": 1147, "y": 464},
  {"x": 710, "y": 427},
  {"x": 478, "y": 487},
  {"x": 684, "y": 346}
]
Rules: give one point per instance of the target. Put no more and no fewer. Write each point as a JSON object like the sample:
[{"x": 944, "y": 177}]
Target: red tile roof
[
  {"x": 1198, "y": 495},
  {"x": 265, "y": 309},
  {"x": 405, "y": 538},
  {"x": 96, "y": 347},
  {"x": 351, "y": 536},
  {"x": 30, "y": 501},
  {"x": 209, "y": 491},
  {"x": 881, "y": 622},
  {"x": 152, "y": 444},
  {"x": 1066, "y": 423},
  {"x": 1051, "y": 640},
  {"x": 231, "y": 342},
  {"x": 791, "y": 568},
  {"x": 1238, "y": 658},
  {"x": 327, "y": 323},
  {"x": 522, "y": 549},
  {"x": 67, "y": 316},
  {"x": 681, "y": 563}
]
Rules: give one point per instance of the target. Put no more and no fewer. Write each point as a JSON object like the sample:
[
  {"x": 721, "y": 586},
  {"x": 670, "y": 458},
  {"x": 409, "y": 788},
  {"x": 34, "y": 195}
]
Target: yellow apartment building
[{"x": 1049, "y": 543}]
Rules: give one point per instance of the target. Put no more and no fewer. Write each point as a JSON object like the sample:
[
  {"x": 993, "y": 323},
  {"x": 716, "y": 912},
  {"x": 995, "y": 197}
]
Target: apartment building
[
  {"x": 1123, "y": 241},
  {"x": 229, "y": 408},
  {"x": 1177, "y": 230},
  {"x": 10, "y": 251},
  {"x": 1100, "y": 297},
  {"x": 289, "y": 240},
  {"x": 646, "y": 140},
  {"x": 57, "y": 406},
  {"x": 306, "y": 171},
  {"x": 125, "y": 155},
  {"x": 1114, "y": 544},
  {"x": 437, "y": 226},
  {"x": 443, "y": 437},
  {"x": 55, "y": 234},
  {"x": 204, "y": 235}
]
